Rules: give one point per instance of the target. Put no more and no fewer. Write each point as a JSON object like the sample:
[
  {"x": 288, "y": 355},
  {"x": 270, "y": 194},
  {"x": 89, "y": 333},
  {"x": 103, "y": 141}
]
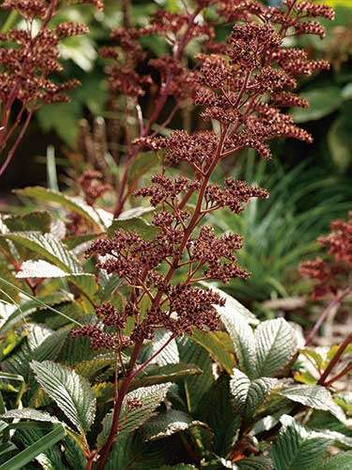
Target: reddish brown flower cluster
[
  {"x": 242, "y": 87},
  {"x": 29, "y": 56},
  {"x": 92, "y": 185},
  {"x": 332, "y": 274}
]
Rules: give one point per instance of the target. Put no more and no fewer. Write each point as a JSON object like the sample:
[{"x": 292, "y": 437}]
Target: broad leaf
[
  {"x": 135, "y": 224},
  {"x": 297, "y": 447},
  {"x": 165, "y": 424},
  {"x": 276, "y": 345},
  {"x": 168, "y": 373},
  {"x": 73, "y": 204},
  {"x": 30, "y": 413},
  {"x": 249, "y": 394},
  {"x": 133, "y": 417},
  {"x": 215, "y": 347},
  {"x": 70, "y": 392},
  {"x": 46, "y": 246},
  {"x": 316, "y": 397}
]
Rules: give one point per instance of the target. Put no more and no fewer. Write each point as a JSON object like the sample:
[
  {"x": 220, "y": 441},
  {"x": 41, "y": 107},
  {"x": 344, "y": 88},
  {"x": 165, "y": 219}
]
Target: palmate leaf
[
  {"x": 131, "y": 419},
  {"x": 316, "y": 397},
  {"x": 297, "y": 447},
  {"x": 75, "y": 205},
  {"x": 248, "y": 394},
  {"x": 71, "y": 393}
]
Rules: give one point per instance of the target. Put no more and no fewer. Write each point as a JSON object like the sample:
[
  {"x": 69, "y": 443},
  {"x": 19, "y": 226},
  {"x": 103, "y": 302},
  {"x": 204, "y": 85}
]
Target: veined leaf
[
  {"x": 168, "y": 373},
  {"x": 42, "y": 269},
  {"x": 233, "y": 309},
  {"x": 243, "y": 339},
  {"x": 47, "y": 247},
  {"x": 255, "y": 463},
  {"x": 212, "y": 343},
  {"x": 276, "y": 345},
  {"x": 249, "y": 394},
  {"x": 316, "y": 397},
  {"x": 76, "y": 205},
  {"x": 34, "y": 221},
  {"x": 170, "y": 354},
  {"x": 30, "y": 413},
  {"x": 340, "y": 461},
  {"x": 27, "y": 308},
  {"x": 135, "y": 224},
  {"x": 165, "y": 424},
  {"x": 70, "y": 392},
  {"x": 132, "y": 418},
  {"x": 297, "y": 447}
]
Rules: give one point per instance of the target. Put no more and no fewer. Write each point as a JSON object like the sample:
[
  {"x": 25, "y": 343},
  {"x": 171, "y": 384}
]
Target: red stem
[{"x": 348, "y": 340}]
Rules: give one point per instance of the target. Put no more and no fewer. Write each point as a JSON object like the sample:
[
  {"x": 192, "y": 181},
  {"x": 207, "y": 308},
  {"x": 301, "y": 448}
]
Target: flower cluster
[
  {"x": 92, "y": 185},
  {"x": 332, "y": 274},
  {"x": 29, "y": 56},
  {"x": 243, "y": 86}
]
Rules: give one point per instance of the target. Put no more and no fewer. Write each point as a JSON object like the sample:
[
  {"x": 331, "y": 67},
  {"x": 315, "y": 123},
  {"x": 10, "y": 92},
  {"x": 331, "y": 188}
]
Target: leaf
[
  {"x": 34, "y": 221},
  {"x": 71, "y": 393},
  {"x": 297, "y": 447},
  {"x": 30, "y": 413},
  {"x": 316, "y": 397},
  {"x": 47, "y": 247},
  {"x": 62, "y": 118},
  {"x": 340, "y": 461},
  {"x": 248, "y": 394},
  {"x": 244, "y": 343},
  {"x": 255, "y": 463},
  {"x": 168, "y": 373},
  {"x": 195, "y": 388},
  {"x": 92, "y": 367},
  {"x": 322, "y": 101},
  {"x": 276, "y": 345},
  {"x": 42, "y": 269},
  {"x": 145, "y": 162},
  {"x": 27, "y": 308},
  {"x": 135, "y": 224},
  {"x": 76, "y": 205},
  {"x": 131, "y": 419},
  {"x": 170, "y": 354},
  {"x": 232, "y": 309},
  {"x": 166, "y": 424},
  {"x": 340, "y": 142},
  {"x": 213, "y": 344},
  {"x": 22, "y": 458}
]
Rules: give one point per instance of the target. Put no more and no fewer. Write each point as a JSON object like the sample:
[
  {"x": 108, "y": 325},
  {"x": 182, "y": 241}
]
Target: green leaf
[
  {"x": 34, "y": 221},
  {"x": 255, "y": 463},
  {"x": 340, "y": 461},
  {"x": 71, "y": 393},
  {"x": 145, "y": 162},
  {"x": 132, "y": 418},
  {"x": 30, "y": 413},
  {"x": 316, "y": 397},
  {"x": 76, "y": 205},
  {"x": 248, "y": 394},
  {"x": 276, "y": 345},
  {"x": 166, "y": 424},
  {"x": 46, "y": 246},
  {"x": 233, "y": 309},
  {"x": 213, "y": 344},
  {"x": 243, "y": 339},
  {"x": 168, "y": 373},
  {"x": 135, "y": 224},
  {"x": 322, "y": 101},
  {"x": 340, "y": 142},
  {"x": 297, "y": 447},
  {"x": 22, "y": 458},
  {"x": 92, "y": 367},
  {"x": 27, "y": 308},
  {"x": 62, "y": 118}
]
